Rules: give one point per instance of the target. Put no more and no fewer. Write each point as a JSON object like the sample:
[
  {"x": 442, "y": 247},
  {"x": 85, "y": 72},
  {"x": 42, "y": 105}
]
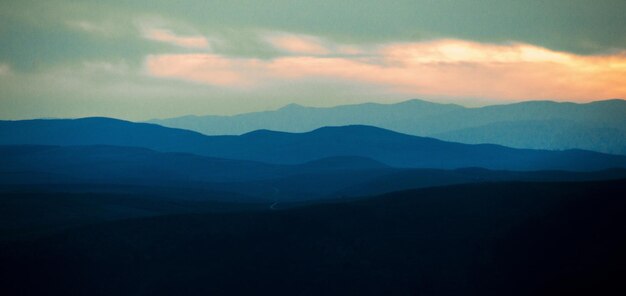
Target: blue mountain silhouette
[
  {"x": 390, "y": 148},
  {"x": 598, "y": 126}
]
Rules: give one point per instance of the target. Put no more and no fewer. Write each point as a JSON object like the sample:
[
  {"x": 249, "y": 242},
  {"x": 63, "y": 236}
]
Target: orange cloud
[
  {"x": 298, "y": 44},
  {"x": 203, "y": 68},
  {"x": 457, "y": 51},
  {"x": 451, "y": 68},
  {"x": 167, "y": 36}
]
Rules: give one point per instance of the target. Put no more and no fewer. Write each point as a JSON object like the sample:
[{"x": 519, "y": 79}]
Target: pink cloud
[
  {"x": 203, "y": 68},
  {"x": 167, "y": 36},
  {"x": 298, "y": 44},
  {"x": 458, "y": 51},
  {"x": 451, "y": 68}
]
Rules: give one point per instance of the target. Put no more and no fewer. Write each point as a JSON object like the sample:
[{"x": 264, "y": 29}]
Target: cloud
[
  {"x": 117, "y": 89},
  {"x": 457, "y": 51},
  {"x": 300, "y": 44},
  {"x": 204, "y": 68},
  {"x": 441, "y": 68},
  {"x": 98, "y": 88},
  {"x": 167, "y": 36},
  {"x": 297, "y": 44}
]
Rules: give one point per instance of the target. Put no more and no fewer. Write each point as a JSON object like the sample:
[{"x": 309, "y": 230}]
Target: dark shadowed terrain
[
  {"x": 99, "y": 206},
  {"x": 476, "y": 239}
]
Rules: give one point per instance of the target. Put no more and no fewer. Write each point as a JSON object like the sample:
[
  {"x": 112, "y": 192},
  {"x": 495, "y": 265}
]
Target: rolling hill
[
  {"x": 180, "y": 176},
  {"x": 390, "y": 148}
]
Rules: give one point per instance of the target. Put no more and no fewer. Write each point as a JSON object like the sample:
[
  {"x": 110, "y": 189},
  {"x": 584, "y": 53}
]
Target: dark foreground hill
[
  {"x": 39, "y": 210},
  {"x": 384, "y": 146},
  {"x": 479, "y": 239}
]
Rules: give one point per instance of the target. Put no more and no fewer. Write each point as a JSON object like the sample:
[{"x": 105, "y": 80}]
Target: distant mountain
[
  {"x": 546, "y": 134},
  {"x": 598, "y": 126},
  {"x": 390, "y": 148},
  {"x": 296, "y": 118}
]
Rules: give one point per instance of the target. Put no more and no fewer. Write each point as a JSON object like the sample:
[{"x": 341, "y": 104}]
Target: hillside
[{"x": 387, "y": 147}]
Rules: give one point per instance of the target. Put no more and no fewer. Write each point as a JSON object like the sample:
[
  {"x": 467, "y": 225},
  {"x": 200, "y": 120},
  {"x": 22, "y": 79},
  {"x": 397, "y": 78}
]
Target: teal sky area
[{"x": 139, "y": 60}]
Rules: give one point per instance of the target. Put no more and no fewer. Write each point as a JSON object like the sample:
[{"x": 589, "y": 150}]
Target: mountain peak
[
  {"x": 421, "y": 102},
  {"x": 101, "y": 119},
  {"x": 292, "y": 106}
]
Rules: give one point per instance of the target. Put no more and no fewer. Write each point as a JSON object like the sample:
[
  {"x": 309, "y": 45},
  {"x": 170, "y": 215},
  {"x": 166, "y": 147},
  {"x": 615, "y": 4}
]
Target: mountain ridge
[
  {"x": 389, "y": 147},
  {"x": 443, "y": 121}
]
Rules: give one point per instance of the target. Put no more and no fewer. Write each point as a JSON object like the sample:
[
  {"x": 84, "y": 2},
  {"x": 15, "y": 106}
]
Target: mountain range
[
  {"x": 114, "y": 169},
  {"x": 388, "y": 147},
  {"x": 598, "y": 126},
  {"x": 102, "y": 206}
]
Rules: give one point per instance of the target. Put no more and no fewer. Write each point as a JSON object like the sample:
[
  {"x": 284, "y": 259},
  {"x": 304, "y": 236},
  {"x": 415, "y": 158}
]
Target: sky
[{"x": 147, "y": 59}]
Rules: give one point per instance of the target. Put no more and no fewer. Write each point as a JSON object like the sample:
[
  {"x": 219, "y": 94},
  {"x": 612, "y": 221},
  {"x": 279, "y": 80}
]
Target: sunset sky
[{"x": 153, "y": 59}]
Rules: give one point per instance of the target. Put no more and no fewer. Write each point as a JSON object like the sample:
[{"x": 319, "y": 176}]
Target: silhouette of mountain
[
  {"x": 537, "y": 239},
  {"x": 296, "y": 118},
  {"x": 598, "y": 126},
  {"x": 180, "y": 176},
  {"x": 548, "y": 134},
  {"x": 89, "y": 168},
  {"x": 381, "y": 145},
  {"x": 97, "y": 131},
  {"x": 130, "y": 165}
]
